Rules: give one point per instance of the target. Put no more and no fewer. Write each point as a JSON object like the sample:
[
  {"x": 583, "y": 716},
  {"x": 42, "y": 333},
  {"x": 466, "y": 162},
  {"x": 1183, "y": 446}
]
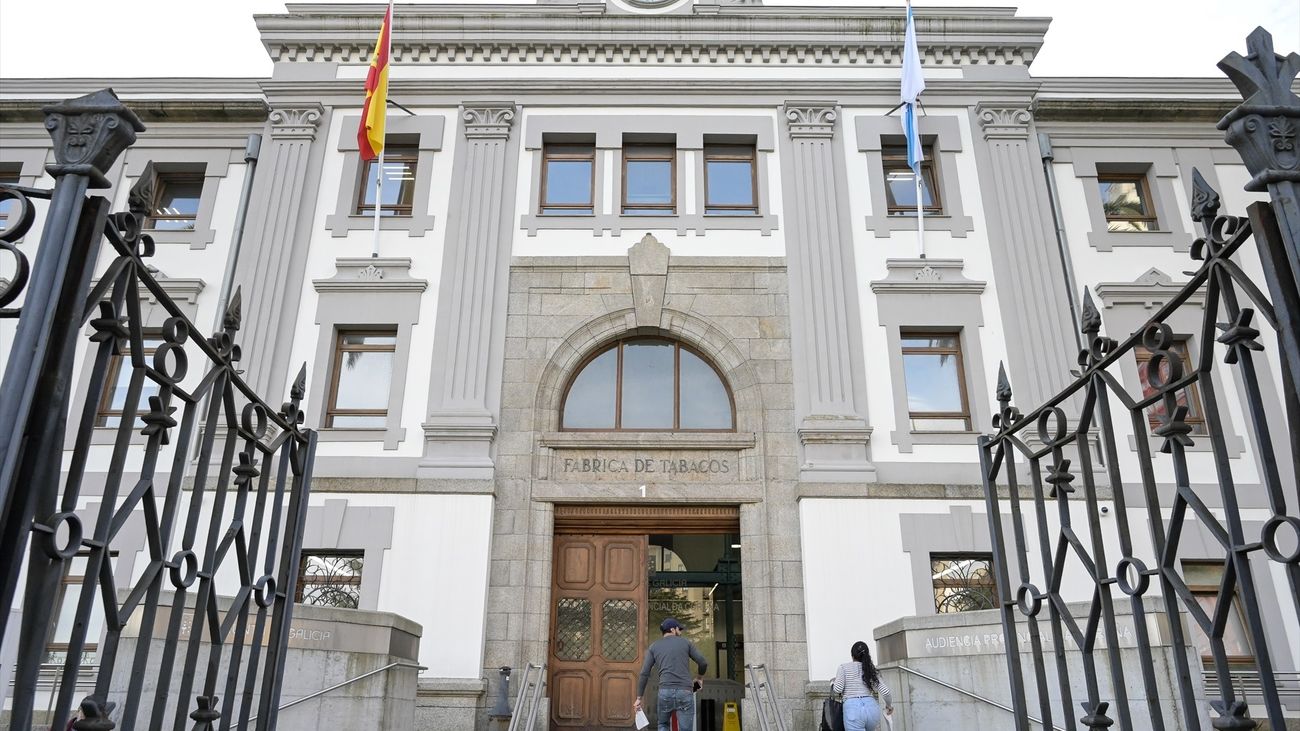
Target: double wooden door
[{"x": 598, "y": 615}]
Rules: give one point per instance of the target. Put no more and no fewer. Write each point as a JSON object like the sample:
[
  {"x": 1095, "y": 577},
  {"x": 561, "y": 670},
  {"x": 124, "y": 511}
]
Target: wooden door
[{"x": 598, "y": 602}]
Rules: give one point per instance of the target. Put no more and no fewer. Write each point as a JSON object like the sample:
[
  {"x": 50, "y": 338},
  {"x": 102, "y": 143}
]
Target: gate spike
[
  {"x": 234, "y": 311},
  {"x": 1205, "y": 199},
  {"x": 299, "y": 390},
  {"x": 1090, "y": 320},
  {"x": 1004, "y": 385},
  {"x": 140, "y": 199}
]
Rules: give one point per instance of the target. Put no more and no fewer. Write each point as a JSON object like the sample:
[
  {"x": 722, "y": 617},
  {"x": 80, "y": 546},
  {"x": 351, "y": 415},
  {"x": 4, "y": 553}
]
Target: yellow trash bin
[{"x": 730, "y": 716}]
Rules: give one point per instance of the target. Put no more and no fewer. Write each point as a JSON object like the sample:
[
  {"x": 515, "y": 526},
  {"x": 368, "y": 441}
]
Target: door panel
[{"x": 597, "y": 621}]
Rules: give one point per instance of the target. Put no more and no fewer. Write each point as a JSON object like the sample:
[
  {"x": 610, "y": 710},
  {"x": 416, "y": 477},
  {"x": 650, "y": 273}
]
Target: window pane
[
  {"x": 1129, "y": 226},
  {"x": 731, "y": 183},
  {"x": 902, "y": 188},
  {"x": 590, "y": 403},
  {"x": 921, "y": 340},
  {"x": 648, "y": 385},
  {"x": 932, "y": 382},
  {"x": 568, "y": 183},
  {"x": 963, "y": 583},
  {"x": 363, "y": 381},
  {"x": 1235, "y": 640},
  {"x": 122, "y": 384},
  {"x": 399, "y": 176},
  {"x": 345, "y": 421},
  {"x": 931, "y": 423},
  {"x": 1122, "y": 198},
  {"x": 330, "y": 580},
  {"x": 1157, "y": 410},
  {"x": 704, "y": 399},
  {"x": 178, "y": 204},
  {"x": 356, "y": 338},
  {"x": 67, "y": 614},
  {"x": 649, "y": 181}
]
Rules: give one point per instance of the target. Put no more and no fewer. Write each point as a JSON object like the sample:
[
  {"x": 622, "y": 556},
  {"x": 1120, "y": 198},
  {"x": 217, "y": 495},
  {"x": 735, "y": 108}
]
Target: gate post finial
[{"x": 89, "y": 133}]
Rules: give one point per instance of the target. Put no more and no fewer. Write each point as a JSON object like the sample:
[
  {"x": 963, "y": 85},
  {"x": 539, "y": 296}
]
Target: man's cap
[{"x": 669, "y": 624}]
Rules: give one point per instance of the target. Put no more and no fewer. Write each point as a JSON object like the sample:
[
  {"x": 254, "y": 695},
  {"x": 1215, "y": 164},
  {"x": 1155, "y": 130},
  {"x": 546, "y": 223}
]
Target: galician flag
[
  {"x": 370, "y": 134},
  {"x": 912, "y": 86}
]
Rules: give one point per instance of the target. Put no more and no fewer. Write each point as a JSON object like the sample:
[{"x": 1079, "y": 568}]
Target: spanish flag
[{"x": 370, "y": 135}]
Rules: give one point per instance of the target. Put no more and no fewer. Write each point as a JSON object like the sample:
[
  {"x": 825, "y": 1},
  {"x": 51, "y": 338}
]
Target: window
[
  {"x": 1203, "y": 579},
  {"x": 649, "y": 180},
  {"x": 1126, "y": 200},
  {"x": 117, "y": 383},
  {"x": 398, "y": 187},
  {"x": 56, "y": 650},
  {"x": 936, "y": 382},
  {"x": 1195, "y": 414},
  {"x": 730, "y": 180},
  {"x": 363, "y": 372},
  {"x": 8, "y": 176},
  {"x": 175, "y": 202},
  {"x": 648, "y": 384},
  {"x": 330, "y": 579},
  {"x": 568, "y": 177},
  {"x": 900, "y": 183},
  {"x": 963, "y": 582}
]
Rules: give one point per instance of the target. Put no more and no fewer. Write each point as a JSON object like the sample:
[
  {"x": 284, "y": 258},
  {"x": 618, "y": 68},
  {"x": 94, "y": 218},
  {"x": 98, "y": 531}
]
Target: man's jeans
[{"x": 680, "y": 700}]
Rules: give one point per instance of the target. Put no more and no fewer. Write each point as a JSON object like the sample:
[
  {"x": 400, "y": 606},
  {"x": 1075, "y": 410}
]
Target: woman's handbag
[{"x": 832, "y": 715}]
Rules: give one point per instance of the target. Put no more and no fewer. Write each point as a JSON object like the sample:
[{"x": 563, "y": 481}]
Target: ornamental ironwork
[{"x": 215, "y": 477}]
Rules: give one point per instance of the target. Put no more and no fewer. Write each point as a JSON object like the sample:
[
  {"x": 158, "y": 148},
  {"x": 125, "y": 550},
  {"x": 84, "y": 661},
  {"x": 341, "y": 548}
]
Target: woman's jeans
[
  {"x": 680, "y": 700},
  {"x": 861, "y": 714}
]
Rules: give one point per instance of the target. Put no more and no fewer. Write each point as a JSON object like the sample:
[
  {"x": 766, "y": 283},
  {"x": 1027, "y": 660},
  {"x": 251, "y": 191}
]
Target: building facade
[{"x": 648, "y": 330}]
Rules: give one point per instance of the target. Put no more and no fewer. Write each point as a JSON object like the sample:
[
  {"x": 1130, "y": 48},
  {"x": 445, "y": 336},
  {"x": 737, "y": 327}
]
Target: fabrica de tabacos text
[{"x": 645, "y": 466}]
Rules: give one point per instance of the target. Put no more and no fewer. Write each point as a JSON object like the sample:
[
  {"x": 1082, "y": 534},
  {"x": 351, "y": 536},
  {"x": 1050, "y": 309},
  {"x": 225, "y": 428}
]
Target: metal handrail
[
  {"x": 969, "y": 694},
  {"x": 349, "y": 681},
  {"x": 771, "y": 696},
  {"x": 534, "y": 700}
]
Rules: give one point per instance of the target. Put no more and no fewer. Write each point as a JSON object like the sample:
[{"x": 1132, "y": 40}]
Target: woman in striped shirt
[{"x": 861, "y": 686}]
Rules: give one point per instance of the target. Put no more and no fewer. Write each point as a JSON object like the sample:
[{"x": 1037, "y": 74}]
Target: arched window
[{"x": 648, "y": 384}]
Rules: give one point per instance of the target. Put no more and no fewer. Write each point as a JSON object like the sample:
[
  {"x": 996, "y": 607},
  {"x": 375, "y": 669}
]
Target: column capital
[
  {"x": 488, "y": 119},
  {"x": 295, "y": 122},
  {"x": 1003, "y": 120},
  {"x": 89, "y": 132},
  {"x": 810, "y": 118}
]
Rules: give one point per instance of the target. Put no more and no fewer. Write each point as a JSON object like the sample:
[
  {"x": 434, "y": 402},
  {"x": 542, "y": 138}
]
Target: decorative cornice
[
  {"x": 926, "y": 276},
  {"x": 1150, "y": 291},
  {"x": 295, "y": 122},
  {"x": 489, "y": 120},
  {"x": 811, "y": 119},
  {"x": 648, "y": 440},
  {"x": 735, "y": 34},
  {"x": 1003, "y": 121},
  {"x": 371, "y": 274}
]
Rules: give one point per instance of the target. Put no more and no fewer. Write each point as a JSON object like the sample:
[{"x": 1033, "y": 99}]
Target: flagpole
[
  {"x": 379, "y": 163},
  {"x": 920, "y": 216}
]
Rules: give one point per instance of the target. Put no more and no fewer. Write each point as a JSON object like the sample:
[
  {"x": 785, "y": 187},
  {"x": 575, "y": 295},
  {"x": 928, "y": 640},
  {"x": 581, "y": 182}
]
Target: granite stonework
[{"x": 735, "y": 312}]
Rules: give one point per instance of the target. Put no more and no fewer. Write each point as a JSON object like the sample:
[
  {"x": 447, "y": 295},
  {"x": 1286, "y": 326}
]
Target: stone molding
[
  {"x": 926, "y": 276},
  {"x": 1149, "y": 291},
  {"x": 648, "y": 440},
  {"x": 648, "y": 265},
  {"x": 295, "y": 122},
  {"x": 1002, "y": 121},
  {"x": 488, "y": 120},
  {"x": 371, "y": 274},
  {"x": 811, "y": 119}
]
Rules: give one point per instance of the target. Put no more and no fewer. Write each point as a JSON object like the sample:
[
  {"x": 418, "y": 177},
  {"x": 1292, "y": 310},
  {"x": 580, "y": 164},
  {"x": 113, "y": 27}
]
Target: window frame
[
  {"x": 1207, "y": 662},
  {"x": 404, "y": 208},
  {"x": 620, "y": 344},
  {"x": 163, "y": 178},
  {"x": 718, "y": 151},
  {"x": 1196, "y": 410},
  {"x": 1144, "y": 194},
  {"x": 551, "y": 151},
  {"x": 935, "y": 584},
  {"x": 307, "y": 554},
  {"x": 905, "y": 350},
  {"x": 332, "y": 411},
  {"x": 894, "y": 157},
  {"x": 649, "y": 152},
  {"x": 104, "y": 410}
]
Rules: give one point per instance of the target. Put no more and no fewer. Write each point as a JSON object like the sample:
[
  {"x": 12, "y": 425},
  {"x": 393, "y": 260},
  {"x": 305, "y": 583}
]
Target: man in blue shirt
[{"x": 673, "y": 653}]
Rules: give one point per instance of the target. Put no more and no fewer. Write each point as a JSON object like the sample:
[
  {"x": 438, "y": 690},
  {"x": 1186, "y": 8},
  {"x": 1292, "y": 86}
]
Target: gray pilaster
[
  {"x": 825, "y": 328},
  {"x": 278, "y": 236},
  {"x": 1027, "y": 268},
  {"x": 469, "y": 337}
]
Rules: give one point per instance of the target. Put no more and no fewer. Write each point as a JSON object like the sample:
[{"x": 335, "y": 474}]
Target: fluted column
[
  {"x": 469, "y": 337},
  {"x": 276, "y": 241},
  {"x": 1030, "y": 277},
  {"x": 825, "y": 327}
]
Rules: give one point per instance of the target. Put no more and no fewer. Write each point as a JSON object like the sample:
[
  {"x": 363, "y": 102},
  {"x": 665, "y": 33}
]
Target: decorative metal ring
[
  {"x": 1122, "y": 574},
  {"x": 254, "y": 414},
  {"x": 1271, "y": 549},
  {"x": 191, "y": 562},
  {"x": 1062, "y": 429},
  {"x": 1029, "y": 600},
  {"x": 1157, "y": 336},
  {"x": 50, "y": 531},
  {"x": 21, "y": 223},
  {"x": 264, "y": 591},
  {"x": 176, "y": 330},
  {"x": 180, "y": 362}
]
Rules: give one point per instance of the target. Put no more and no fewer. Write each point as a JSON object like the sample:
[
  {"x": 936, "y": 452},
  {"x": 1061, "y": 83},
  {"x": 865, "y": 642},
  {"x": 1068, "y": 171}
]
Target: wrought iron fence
[
  {"x": 209, "y": 613},
  {"x": 1238, "y": 323}
]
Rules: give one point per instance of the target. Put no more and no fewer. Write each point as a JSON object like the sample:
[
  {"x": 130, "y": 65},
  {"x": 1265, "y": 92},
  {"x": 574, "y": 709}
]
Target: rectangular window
[
  {"x": 8, "y": 176},
  {"x": 330, "y": 579},
  {"x": 1126, "y": 200},
  {"x": 362, "y": 373},
  {"x": 963, "y": 582},
  {"x": 1203, "y": 579},
  {"x": 1195, "y": 412},
  {"x": 398, "y": 189},
  {"x": 117, "y": 383},
  {"x": 649, "y": 180},
  {"x": 936, "y": 382},
  {"x": 900, "y": 183},
  {"x": 568, "y": 179},
  {"x": 175, "y": 201},
  {"x": 69, "y": 596},
  {"x": 730, "y": 180}
]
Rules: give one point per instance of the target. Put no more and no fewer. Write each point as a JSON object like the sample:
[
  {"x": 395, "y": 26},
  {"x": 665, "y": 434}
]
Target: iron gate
[
  {"x": 210, "y": 612},
  {"x": 1079, "y": 424}
]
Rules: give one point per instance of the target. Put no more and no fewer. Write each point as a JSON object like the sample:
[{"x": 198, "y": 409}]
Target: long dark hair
[{"x": 861, "y": 653}]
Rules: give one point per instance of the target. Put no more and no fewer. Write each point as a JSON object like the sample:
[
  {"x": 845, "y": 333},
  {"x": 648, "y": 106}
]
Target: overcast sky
[{"x": 127, "y": 38}]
